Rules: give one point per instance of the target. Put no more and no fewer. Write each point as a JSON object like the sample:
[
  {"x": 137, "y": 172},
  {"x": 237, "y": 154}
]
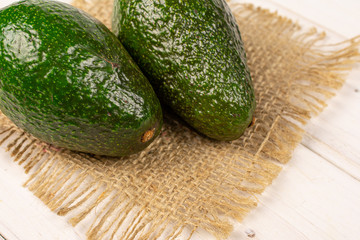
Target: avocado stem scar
[
  {"x": 252, "y": 122},
  {"x": 148, "y": 135}
]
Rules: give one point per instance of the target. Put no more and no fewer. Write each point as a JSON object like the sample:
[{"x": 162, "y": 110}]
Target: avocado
[
  {"x": 193, "y": 55},
  {"x": 67, "y": 80}
]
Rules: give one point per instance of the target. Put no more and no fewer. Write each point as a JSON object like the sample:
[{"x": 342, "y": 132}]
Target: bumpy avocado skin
[
  {"x": 67, "y": 80},
  {"x": 193, "y": 55}
]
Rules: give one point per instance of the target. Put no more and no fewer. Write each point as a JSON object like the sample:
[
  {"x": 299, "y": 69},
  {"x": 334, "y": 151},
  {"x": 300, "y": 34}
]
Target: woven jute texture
[{"x": 185, "y": 182}]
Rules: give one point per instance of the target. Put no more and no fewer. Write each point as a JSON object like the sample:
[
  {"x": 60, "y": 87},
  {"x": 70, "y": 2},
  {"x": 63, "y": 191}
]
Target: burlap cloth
[{"x": 183, "y": 181}]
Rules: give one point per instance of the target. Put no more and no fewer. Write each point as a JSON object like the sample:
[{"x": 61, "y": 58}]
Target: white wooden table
[{"x": 316, "y": 196}]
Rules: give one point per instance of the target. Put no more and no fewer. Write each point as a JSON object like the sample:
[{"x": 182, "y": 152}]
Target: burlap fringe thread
[{"x": 184, "y": 182}]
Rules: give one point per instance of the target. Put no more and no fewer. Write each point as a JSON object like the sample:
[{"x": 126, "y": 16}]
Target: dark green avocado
[
  {"x": 67, "y": 80},
  {"x": 193, "y": 55}
]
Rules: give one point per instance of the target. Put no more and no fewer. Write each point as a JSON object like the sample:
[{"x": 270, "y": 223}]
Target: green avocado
[
  {"x": 67, "y": 80},
  {"x": 193, "y": 55}
]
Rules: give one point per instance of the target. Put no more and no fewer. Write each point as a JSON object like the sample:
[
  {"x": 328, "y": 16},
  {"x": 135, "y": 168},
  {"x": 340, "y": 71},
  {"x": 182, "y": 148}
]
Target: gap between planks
[{"x": 329, "y": 148}]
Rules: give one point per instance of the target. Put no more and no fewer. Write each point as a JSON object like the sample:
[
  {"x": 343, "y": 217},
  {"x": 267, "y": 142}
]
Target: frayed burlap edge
[{"x": 124, "y": 199}]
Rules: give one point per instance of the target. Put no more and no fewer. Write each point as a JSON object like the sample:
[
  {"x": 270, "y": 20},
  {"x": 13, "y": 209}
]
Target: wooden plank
[
  {"x": 22, "y": 215},
  {"x": 339, "y": 16},
  {"x": 335, "y": 133},
  {"x": 310, "y": 199}
]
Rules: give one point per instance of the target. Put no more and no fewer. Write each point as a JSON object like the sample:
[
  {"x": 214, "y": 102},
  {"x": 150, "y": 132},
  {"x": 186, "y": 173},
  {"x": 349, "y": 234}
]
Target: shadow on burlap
[{"x": 184, "y": 182}]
